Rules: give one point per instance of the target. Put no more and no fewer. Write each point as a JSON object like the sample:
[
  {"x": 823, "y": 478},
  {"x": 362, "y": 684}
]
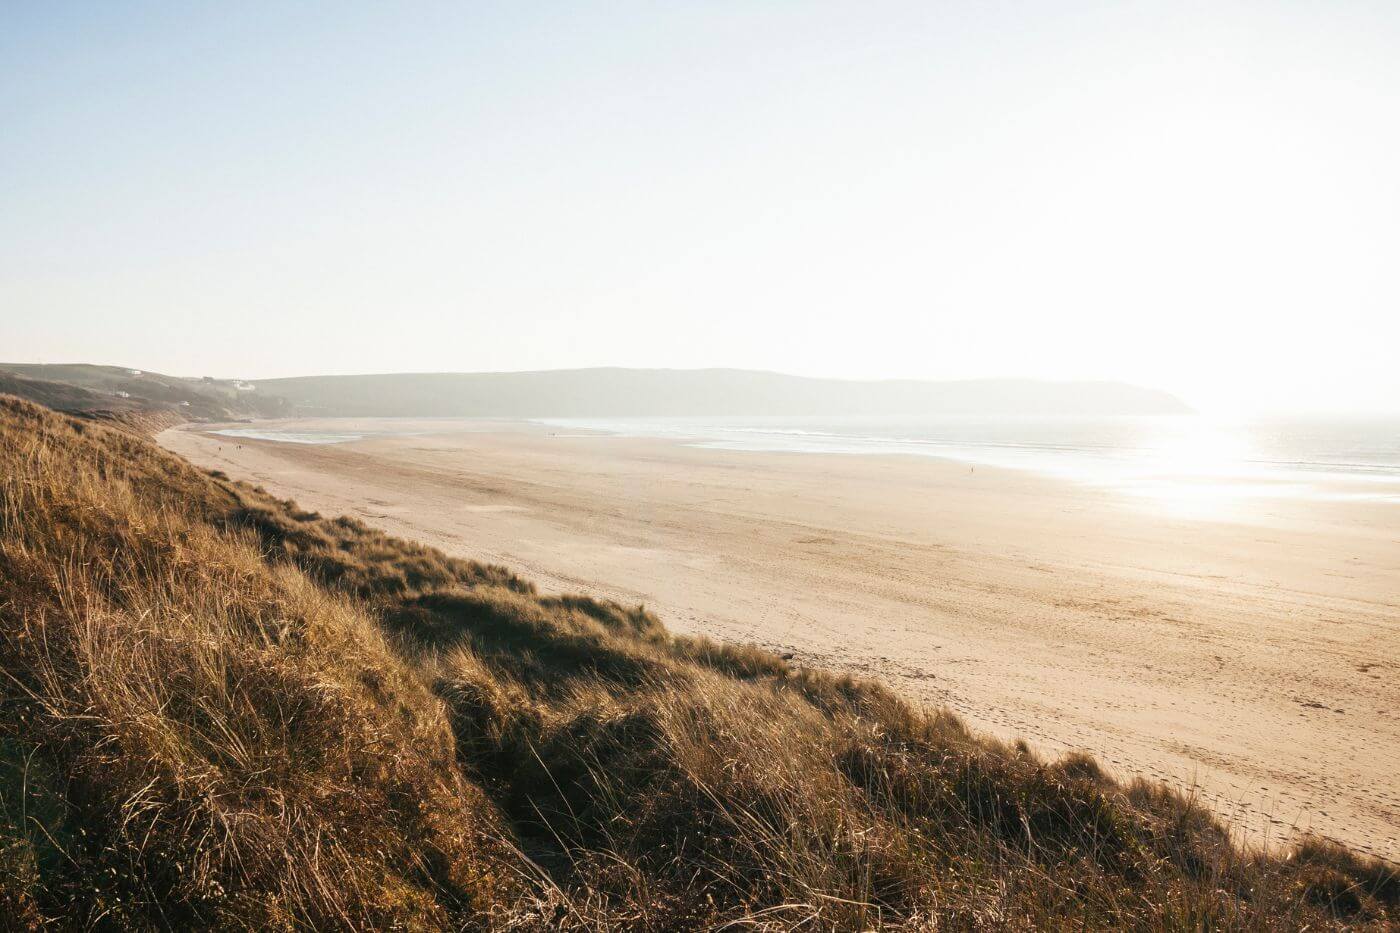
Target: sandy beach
[{"x": 1253, "y": 655}]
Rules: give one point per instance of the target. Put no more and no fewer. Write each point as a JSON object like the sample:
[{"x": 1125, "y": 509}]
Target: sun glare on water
[{"x": 1199, "y": 468}]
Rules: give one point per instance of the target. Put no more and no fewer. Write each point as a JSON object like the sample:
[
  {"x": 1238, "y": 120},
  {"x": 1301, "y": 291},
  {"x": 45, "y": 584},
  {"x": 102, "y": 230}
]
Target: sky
[{"x": 1199, "y": 197}]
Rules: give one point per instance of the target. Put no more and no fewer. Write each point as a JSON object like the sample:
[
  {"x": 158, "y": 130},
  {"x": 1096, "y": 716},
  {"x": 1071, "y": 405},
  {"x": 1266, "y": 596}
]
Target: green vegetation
[{"x": 220, "y": 710}]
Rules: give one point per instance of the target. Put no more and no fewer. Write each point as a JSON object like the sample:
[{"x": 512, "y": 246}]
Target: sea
[
  {"x": 1191, "y": 456},
  {"x": 1325, "y": 457}
]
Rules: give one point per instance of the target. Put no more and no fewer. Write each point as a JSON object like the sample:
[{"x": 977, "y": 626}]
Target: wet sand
[{"x": 1249, "y": 649}]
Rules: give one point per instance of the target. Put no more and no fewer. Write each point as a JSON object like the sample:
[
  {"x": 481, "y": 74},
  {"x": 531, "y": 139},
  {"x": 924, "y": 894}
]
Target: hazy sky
[{"x": 1203, "y": 197}]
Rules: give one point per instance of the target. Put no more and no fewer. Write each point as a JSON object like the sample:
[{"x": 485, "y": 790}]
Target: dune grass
[{"x": 220, "y": 710}]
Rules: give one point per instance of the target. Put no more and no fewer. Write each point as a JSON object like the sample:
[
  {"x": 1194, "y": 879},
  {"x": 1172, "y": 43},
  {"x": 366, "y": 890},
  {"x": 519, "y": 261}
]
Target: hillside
[
  {"x": 560, "y": 393},
  {"x": 80, "y": 387},
  {"x": 223, "y": 711},
  {"x": 64, "y": 396},
  {"x": 640, "y": 392}
]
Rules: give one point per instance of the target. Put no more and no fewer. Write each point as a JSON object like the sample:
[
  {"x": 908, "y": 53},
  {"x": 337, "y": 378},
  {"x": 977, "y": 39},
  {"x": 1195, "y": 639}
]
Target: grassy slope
[
  {"x": 63, "y": 396},
  {"x": 221, "y": 710}
]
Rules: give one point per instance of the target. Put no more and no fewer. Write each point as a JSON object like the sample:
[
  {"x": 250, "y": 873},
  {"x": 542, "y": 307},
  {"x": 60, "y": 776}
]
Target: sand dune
[{"x": 1254, "y": 654}]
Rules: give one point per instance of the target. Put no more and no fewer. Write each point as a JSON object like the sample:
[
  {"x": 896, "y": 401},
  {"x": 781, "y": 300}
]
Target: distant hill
[
  {"x": 642, "y": 392},
  {"x": 119, "y": 391}
]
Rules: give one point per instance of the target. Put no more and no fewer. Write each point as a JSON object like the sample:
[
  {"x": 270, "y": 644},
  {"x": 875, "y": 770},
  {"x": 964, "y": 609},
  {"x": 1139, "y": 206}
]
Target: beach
[{"x": 1252, "y": 653}]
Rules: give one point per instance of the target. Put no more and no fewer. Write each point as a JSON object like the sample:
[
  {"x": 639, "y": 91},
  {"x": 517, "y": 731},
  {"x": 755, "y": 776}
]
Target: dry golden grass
[
  {"x": 222, "y": 711},
  {"x": 195, "y": 735}
]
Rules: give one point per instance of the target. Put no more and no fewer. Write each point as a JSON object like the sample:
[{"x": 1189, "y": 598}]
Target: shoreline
[
  {"x": 1033, "y": 607},
  {"x": 1210, "y": 487}
]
